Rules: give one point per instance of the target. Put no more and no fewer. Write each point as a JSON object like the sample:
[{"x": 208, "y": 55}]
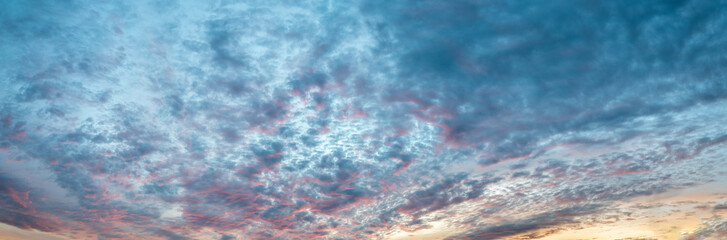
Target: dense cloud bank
[{"x": 353, "y": 120}]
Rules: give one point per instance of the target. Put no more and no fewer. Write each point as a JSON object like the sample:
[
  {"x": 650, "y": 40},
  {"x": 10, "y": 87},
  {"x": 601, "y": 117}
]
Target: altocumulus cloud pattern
[{"x": 363, "y": 119}]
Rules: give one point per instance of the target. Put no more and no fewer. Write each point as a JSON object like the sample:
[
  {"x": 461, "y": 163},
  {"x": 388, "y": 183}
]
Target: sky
[{"x": 410, "y": 119}]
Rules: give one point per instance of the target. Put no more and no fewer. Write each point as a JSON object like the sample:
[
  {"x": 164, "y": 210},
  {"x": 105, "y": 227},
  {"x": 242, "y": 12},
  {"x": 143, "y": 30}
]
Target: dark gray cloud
[{"x": 540, "y": 221}]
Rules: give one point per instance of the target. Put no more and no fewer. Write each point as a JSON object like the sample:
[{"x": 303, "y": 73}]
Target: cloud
[
  {"x": 12, "y": 233},
  {"x": 443, "y": 194},
  {"x": 169, "y": 235},
  {"x": 713, "y": 230},
  {"x": 561, "y": 217},
  {"x": 351, "y": 120}
]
